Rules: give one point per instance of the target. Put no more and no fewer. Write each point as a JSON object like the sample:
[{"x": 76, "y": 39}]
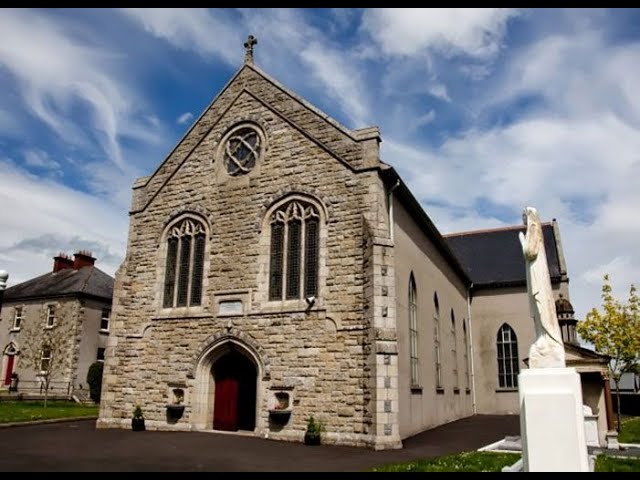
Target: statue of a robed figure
[
  {"x": 548, "y": 349},
  {"x": 551, "y": 414}
]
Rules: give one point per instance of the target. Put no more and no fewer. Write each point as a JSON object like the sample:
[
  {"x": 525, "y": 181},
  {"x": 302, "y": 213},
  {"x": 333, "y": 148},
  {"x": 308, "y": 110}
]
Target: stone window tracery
[
  {"x": 184, "y": 264},
  {"x": 294, "y": 258},
  {"x": 243, "y": 148}
]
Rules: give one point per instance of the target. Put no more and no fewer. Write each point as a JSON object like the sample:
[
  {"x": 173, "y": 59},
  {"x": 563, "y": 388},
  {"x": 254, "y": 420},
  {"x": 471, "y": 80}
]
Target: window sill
[
  {"x": 49, "y": 327},
  {"x": 440, "y": 390},
  {"x": 416, "y": 390},
  {"x": 506, "y": 390},
  {"x": 182, "y": 316},
  {"x": 456, "y": 391},
  {"x": 14, "y": 330},
  {"x": 103, "y": 331}
]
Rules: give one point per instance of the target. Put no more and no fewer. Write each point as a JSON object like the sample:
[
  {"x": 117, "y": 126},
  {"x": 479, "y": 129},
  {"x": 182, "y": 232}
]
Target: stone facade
[
  {"x": 76, "y": 319},
  {"x": 327, "y": 354}
]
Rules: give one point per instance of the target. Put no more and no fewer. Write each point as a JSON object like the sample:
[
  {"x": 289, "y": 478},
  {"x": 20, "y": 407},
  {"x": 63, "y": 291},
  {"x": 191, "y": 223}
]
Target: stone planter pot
[
  {"x": 311, "y": 439},
  {"x": 174, "y": 412},
  {"x": 137, "y": 424}
]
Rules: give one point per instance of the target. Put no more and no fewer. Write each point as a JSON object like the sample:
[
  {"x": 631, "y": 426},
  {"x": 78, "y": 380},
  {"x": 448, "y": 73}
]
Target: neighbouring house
[
  {"x": 278, "y": 269},
  {"x": 72, "y": 304}
]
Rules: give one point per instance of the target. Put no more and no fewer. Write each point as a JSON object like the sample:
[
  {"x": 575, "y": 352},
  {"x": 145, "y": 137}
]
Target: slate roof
[
  {"x": 87, "y": 281},
  {"x": 493, "y": 258}
]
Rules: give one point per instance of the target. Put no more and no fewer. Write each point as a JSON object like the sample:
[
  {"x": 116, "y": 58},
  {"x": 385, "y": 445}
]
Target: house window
[
  {"x": 467, "y": 383},
  {"x": 294, "y": 260},
  {"x": 454, "y": 351},
  {"x": 45, "y": 359},
  {"x": 104, "y": 319},
  {"x": 413, "y": 331},
  {"x": 100, "y": 355},
  {"x": 184, "y": 264},
  {"x": 51, "y": 316},
  {"x": 17, "y": 318},
  {"x": 436, "y": 339},
  {"x": 508, "y": 367}
]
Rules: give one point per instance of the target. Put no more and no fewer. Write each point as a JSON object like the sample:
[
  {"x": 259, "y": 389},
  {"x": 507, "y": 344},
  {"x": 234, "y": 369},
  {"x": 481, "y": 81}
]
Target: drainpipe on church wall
[
  {"x": 390, "y": 201},
  {"x": 473, "y": 371}
]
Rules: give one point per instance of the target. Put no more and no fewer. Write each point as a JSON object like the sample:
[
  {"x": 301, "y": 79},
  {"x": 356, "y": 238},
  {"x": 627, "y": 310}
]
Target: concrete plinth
[{"x": 552, "y": 421}]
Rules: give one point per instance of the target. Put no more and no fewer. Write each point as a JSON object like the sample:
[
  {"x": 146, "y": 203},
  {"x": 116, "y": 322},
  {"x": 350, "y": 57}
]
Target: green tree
[
  {"x": 94, "y": 379},
  {"x": 615, "y": 331},
  {"x": 48, "y": 350}
]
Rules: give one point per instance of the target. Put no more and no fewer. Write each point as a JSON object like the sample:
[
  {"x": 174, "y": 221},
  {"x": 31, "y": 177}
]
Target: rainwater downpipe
[
  {"x": 390, "y": 201},
  {"x": 473, "y": 371}
]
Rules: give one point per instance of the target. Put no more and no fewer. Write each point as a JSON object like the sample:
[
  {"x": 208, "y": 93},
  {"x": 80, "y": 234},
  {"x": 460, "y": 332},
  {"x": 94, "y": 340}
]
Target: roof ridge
[{"x": 491, "y": 230}]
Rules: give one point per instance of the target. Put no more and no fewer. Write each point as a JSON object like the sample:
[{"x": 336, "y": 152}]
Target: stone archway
[
  {"x": 234, "y": 404},
  {"x": 228, "y": 387}
]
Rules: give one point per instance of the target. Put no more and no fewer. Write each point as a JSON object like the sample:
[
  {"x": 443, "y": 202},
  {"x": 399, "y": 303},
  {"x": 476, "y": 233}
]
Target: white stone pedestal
[{"x": 551, "y": 421}]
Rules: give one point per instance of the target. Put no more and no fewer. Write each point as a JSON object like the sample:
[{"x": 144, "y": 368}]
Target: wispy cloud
[
  {"x": 38, "y": 210},
  {"x": 184, "y": 118},
  {"x": 476, "y": 32},
  {"x": 195, "y": 29},
  {"x": 39, "y": 159}
]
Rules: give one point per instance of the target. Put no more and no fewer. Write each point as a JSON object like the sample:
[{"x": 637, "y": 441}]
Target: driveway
[{"x": 78, "y": 446}]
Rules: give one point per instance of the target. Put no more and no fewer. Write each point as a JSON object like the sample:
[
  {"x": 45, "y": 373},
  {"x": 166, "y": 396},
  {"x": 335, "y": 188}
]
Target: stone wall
[{"x": 320, "y": 354}]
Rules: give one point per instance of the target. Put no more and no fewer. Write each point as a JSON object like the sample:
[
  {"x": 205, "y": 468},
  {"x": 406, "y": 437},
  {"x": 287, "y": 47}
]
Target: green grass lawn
[
  {"x": 494, "y": 462},
  {"x": 33, "y": 410},
  {"x": 630, "y": 431},
  {"x": 610, "y": 464},
  {"x": 463, "y": 462}
]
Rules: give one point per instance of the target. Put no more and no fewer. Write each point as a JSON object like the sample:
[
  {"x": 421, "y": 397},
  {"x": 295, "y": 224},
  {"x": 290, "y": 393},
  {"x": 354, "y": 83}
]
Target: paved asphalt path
[{"x": 78, "y": 446}]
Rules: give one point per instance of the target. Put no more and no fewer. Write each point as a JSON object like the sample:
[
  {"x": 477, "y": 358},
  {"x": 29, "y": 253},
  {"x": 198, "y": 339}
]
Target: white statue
[{"x": 548, "y": 349}]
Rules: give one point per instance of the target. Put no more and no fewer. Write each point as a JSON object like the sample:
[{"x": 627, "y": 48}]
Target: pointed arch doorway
[
  {"x": 10, "y": 353},
  {"x": 234, "y": 405}
]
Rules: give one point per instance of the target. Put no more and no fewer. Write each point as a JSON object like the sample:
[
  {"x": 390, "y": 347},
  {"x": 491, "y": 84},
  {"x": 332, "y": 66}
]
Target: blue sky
[{"x": 483, "y": 111}]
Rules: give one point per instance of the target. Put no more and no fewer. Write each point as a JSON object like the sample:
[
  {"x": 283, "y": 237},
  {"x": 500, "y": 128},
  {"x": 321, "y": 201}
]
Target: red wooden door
[
  {"x": 225, "y": 408},
  {"x": 7, "y": 377}
]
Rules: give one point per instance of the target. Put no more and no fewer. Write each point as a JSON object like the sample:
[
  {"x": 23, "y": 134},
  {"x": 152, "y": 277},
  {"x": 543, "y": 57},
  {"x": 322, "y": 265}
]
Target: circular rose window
[{"x": 242, "y": 149}]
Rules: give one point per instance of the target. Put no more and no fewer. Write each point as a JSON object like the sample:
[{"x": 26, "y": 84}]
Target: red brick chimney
[
  {"x": 62, "y": 261},
  {"x": 82, "y": 258}
]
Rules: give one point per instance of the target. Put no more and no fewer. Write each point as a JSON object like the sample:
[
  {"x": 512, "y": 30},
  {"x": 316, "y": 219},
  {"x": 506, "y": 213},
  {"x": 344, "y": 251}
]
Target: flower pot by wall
[
  {"x": 137, "y": 424},
  {"x": 311, "y": 439}
]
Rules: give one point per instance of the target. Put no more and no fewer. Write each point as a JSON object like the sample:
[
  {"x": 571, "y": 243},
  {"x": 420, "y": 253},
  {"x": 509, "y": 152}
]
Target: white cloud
[
  {"x": 184, "y": 118},
  {"x": 476, "y": 32},
  {"x": 297, "y": 53},
  {"x": 340, "y": 78},
  {"x": 425, "y": 119},
  {"x": 39, "y": 159},
  {"x": 439, "y": 91},
  {"x": 194, "y": 29},
  {"x": 56, "y": 70},
  {"x": 575, "y": 154},
  {"x": 41, "y": 217}
]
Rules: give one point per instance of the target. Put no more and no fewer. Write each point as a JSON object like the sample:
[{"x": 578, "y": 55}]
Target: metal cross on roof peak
[{"x": 248, "y": 48}]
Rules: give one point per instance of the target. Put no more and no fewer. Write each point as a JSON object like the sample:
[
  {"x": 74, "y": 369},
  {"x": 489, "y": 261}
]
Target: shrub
[
  {"x": 94, "y": 379},
  {"x": 137, "y": 412}
]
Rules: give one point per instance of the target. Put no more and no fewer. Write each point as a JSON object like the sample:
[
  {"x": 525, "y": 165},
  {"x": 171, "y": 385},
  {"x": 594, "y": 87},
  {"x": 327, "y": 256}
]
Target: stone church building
[{"x": 277, "y": 269}]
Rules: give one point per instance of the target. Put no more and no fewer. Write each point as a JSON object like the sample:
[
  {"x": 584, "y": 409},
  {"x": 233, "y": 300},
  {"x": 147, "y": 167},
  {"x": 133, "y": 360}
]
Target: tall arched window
[
  {"x": 508, "y": 367},
  {"x": 436, "y": 339},
  {"x": 454, "y": 351},
  {"x": 467, "y": 383},
  {"x": 184, "y": 264},
  {"x": 413, "y": 331},
  {"x": 294, "y": 262}
]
